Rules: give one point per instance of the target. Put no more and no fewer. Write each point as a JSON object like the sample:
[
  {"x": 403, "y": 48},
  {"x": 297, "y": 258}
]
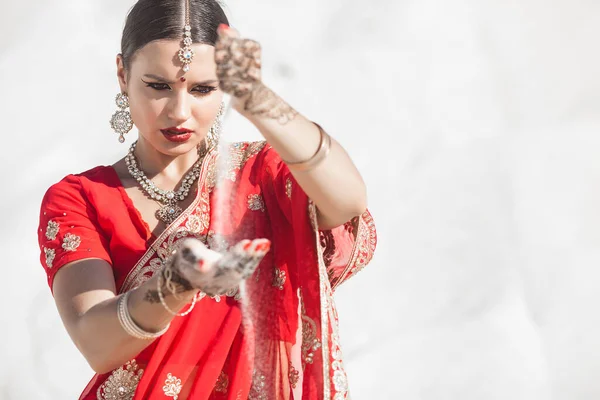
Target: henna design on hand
[
  {"x": 239, "y": 72},
  {"x": 264, "y": 102},
  {"x": 173, "y": 282},
  {"x": 216, "y": 273}
]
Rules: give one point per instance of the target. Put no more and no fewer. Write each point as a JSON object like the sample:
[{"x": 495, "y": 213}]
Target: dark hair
[{"x": 150, "y": 20}]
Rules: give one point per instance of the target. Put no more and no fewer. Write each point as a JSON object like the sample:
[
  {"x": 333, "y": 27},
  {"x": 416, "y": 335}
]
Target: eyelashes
[{"x": 202, "y": 90}]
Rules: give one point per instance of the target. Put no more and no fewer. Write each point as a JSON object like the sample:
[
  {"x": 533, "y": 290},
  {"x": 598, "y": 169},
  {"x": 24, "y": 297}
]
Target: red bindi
[{"x": 182, "y": 79}]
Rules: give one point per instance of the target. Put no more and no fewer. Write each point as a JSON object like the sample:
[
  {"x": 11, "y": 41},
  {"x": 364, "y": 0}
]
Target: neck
[{"x": 163, "y": 167}]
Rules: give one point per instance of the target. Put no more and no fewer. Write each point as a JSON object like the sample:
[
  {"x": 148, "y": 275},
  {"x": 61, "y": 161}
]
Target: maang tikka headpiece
[{"x": 186, "y": 54}]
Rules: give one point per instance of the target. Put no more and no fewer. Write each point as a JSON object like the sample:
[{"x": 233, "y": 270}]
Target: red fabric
[{"x": 214, "y": 351}]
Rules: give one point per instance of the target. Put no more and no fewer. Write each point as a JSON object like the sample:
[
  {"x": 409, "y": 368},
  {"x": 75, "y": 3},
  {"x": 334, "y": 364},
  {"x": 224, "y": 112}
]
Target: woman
[{"x": 125, "y": 247}]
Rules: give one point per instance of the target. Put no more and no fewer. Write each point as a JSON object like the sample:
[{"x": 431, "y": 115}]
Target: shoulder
[{"x": 74, "y": 186}]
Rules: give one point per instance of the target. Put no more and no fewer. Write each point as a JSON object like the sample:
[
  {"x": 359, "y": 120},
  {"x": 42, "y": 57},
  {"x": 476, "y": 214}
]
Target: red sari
[{"x": 285, "y": 345}]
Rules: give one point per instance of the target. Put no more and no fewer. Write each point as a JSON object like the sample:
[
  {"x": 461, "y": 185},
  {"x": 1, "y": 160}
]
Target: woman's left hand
[{"x": 238, "y": 65}]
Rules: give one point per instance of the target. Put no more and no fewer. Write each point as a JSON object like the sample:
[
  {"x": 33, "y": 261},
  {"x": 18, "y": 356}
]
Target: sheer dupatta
[{"x": 282, "y": 342}]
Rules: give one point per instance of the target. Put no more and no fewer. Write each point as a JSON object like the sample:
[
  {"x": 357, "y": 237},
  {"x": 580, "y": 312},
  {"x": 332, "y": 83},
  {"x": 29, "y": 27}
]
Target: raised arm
[{"x": 333, "y": 184}]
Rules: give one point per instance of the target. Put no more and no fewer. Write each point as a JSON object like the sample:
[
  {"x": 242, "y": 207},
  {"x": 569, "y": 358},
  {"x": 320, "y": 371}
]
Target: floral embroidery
[
  {"x": 339, "y": 378},
  {"x": 172, "y": 386},
  {"x": 257, "y": 391},
  {"x": 71, "y": 242},
  {"x": 239, "y": 154},
  {"x": 121, "y": 384},
  {"x": 278, "y": 278},
  {"x": 193, "y": 224},
  {"x": 310, "y": 342},
  {"x": 50, "y": 254},
  {"x": 328, "y": 245},
  {"x": 365, "y": 243},
  {"x": 52, "y": 230},
  {"x": 288, "y": 188},
  {"x": 222, "y": 383},
  {"x": 256, "y": 203},
  {"x": 294, "y": 376}
]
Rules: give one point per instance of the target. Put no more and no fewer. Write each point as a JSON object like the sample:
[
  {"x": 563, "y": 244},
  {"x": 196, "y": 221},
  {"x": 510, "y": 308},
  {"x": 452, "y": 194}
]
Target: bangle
[
  {"x": 164, "y": 303},
  {"x": 129, "y": 324},
  {"x": 317, "y": 158}
]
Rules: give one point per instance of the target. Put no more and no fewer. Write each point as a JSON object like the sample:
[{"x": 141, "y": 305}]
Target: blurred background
[{"x": 475, "y": 125}]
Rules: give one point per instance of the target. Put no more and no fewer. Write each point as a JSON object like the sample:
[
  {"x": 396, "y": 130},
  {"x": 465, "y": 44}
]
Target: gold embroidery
[
  {"x": 222, "y": 383},
  {"x": 172, "y": 386},
  {"x": 239, "y": 154},
  {"x": 50, "y": 254},
  {"x": 278, "y": 278},
  {"x": 257, "y": 391},
  {"x": 71, "y": 242},
  {"x": 310, "y": 342},
  {"x": 365, "y": 243},
  {"x": 193, "y": 224},
  {"x": 256, "y": 203},
  {"x": 52, "y": 230},
  {"x": 288, "y": 188},
  {"x": 294, "y": 376},
  {"x": 339, "y": 378},
  {"x": 121, "y": 384}
]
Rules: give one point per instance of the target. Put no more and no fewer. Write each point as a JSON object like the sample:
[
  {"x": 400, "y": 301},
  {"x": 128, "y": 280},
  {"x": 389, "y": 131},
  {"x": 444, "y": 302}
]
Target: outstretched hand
[{"x": 216, "y": 273}]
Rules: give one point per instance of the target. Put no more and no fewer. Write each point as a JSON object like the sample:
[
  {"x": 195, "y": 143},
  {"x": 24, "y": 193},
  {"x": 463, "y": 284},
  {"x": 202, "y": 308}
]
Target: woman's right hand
[{"x": 216, "y": 273}]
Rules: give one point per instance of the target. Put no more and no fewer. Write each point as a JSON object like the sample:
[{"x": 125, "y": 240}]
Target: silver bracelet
[
  {"x": 129, "y": 324},
  {"x": 166, "y": 306}
]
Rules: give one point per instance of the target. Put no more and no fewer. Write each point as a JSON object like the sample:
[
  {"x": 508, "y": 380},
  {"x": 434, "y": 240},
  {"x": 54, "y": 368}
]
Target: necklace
[{"x": 168, "y": 199}]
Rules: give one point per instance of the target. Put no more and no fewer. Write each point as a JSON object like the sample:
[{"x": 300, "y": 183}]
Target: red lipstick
[{"x": 177, "y": 135}]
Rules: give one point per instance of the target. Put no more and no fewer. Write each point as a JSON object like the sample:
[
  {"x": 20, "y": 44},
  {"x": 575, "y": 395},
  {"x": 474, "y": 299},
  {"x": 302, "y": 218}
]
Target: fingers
[
  {"x": 238, "y": 60},
  {"x": 216, "y": 273}
]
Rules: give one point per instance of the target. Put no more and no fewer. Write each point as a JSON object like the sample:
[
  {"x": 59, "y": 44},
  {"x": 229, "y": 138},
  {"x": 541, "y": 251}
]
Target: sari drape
[{"x": 278, "y": 339}]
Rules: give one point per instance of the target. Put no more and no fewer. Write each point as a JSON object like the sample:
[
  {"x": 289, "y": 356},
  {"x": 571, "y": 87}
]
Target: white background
[{"x": 475, "y": 125}]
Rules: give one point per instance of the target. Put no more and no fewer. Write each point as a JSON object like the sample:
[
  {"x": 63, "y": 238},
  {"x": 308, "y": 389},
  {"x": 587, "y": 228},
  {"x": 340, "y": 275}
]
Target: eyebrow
[{"x": 163, "y": 80}]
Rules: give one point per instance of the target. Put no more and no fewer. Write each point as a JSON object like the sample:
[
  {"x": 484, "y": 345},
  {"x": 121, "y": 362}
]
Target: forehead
[{"x": 161, "y": 57}]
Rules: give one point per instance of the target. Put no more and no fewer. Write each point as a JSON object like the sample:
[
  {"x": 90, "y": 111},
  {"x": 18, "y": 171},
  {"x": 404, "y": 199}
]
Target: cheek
[{"x": 145, "y": 113}]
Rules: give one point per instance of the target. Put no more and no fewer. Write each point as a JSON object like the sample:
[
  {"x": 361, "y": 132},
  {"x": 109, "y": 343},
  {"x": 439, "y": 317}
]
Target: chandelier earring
[
  {"x": 214, "y": 133},
  {"x": 121, "y": 121}
]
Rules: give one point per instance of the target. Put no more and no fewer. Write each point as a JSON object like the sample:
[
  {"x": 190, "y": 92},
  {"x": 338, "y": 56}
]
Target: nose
[{"x": 179, "y": 107}]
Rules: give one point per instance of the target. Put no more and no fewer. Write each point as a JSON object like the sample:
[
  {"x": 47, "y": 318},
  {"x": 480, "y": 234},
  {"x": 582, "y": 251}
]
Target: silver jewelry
[
  {"x": 186, "y": 54},
  {"x": 129, "y": 324},
  {"x": 214, "y": 133},
  {"x": 169, "y": 210},
  {"x": 121, "y": 120},
  {"x": 164, "y": 303}
]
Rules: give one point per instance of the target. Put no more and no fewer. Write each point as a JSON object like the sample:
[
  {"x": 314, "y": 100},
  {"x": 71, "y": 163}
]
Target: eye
[
  {"x": 204, "y": 89},
  {"x": 158, "y": 86}
]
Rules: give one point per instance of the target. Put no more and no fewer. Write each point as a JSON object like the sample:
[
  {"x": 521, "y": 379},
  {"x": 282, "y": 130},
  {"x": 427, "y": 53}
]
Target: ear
[{"x": 121, "y": 74}]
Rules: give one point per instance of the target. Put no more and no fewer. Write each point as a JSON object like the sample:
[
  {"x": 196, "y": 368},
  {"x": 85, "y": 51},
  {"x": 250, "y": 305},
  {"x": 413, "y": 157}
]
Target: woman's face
[{"x": 160, "y": 100}]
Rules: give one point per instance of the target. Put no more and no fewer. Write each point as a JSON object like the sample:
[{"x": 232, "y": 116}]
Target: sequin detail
[
  {"x": 258, "y": 389},
  {"x": 50, "y": 254},
  {"x": 310, "y": 341},
  {"x": 222, "y": 383},
  {"x": 121, "y": 384},
  {"x": 256, "y": 203},
  {"x": 288, "y": 188},
  {"x": 239, "y": 154},
  {"x": 172, "y": 386},
  {"x": 294, "y": 376},
  {"x": 52, "y": 230},
  {"x": 278, "y": 278},
  {"x": 71, "y": 242}
]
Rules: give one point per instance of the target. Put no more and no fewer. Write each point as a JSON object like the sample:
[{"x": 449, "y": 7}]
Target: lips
[{"x": 177, "y": 135}]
